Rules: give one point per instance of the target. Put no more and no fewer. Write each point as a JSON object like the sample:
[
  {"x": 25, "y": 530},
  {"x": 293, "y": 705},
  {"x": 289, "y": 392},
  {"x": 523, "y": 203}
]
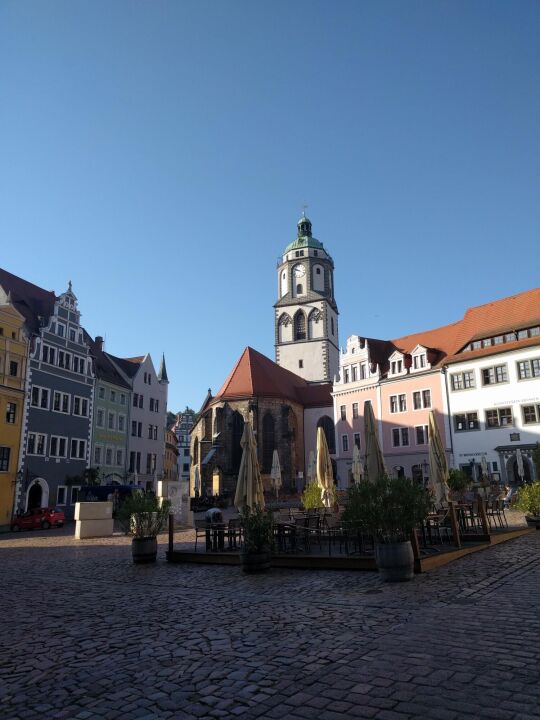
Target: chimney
[{"x": 99, "y": 342}]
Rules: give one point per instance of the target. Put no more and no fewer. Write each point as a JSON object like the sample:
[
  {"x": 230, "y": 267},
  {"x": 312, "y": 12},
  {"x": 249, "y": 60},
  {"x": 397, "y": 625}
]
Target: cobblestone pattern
[{"x": 90, "y": 635}]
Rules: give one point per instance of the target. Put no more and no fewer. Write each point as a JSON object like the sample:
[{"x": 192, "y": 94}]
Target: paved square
[{"x": 86, "y": 634}]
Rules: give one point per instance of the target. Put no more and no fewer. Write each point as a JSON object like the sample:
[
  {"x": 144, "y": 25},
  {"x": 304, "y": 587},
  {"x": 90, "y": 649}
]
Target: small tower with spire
[{"x": 162, "y": 375}]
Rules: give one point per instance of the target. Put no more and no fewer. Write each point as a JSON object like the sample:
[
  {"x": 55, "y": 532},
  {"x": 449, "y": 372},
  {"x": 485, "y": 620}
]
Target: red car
[{"x": 38, "y": 518}]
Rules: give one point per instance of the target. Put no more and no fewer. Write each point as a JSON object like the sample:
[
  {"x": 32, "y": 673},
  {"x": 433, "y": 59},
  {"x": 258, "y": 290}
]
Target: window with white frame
[
  {"x": 354, "y": 373},
  {"x": 363, "y": 371},
  {"x": 396, "y": 367},
  {"x": 495, "y": 375},
  {"x": 121, "y": 423},
  {"x": 101, "y": 393},
  {"x": 61, "y": 495},
  {"x": 402, "y": 402},
  {"x": 58, "y": 446},
  {"x": 5, "y": 453},
  {"x": 40, "y": 397},
  {"x": 119, "y": 457},
  {"x": 37, "y": 443},
  {"x": 48, "y": 354},
  {"x": 109, "y": 456},
  {"x": 531, "y": 414},
  {"x": 61, "y": 402},
  {"x": 466, "y": 421},
  {"x": 421, "y": 434},
  {"x": 419, "y": 361},
  {"x": 343, "y": 412},
  {"x": 100, "y": 417},
  {"x": 400, "y": 437},
  {"x": 499, "y": 417},
  {"x": 113, "y": 395},
  {"x": 463, "y": 380},
  {"x": 111, "y": 420},
  {"x": 98, "y": 454},
  {"x": 421, "y": 399},
  {"x": 75, "y": 493},
  {"x": 355, "y": 410},
  {"x": 80, "y": 406},
  {"x": 528, "y": 369},
  {"x": 345, "y": 378},
  {"x": 11, "y": 412},
  {"x": 78, "y": 449},
  {"x": 357, "y": 440},
  {"x": 345, "y": 443},
  {"x": 122, "y": 399},
  {"x": 60, "y": 329}
]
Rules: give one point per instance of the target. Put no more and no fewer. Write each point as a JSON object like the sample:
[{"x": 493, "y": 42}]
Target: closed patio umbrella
[
  {"x": 325, "y": 476},
  {"x": 374, "y": 458},
  {"x": 312, "y": 470},
  {"x": 485, "y": 470},
  {"x": 520, "y": 468},
  {"x": 438, "y": 464},
  {"x": 197, "y": 482},
  {"x": 356, "y": 464},
  {"x": 275, "y": 473},
  {"x": 249, "y": 487}
]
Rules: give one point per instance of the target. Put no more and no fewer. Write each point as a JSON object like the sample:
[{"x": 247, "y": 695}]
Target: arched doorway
[
  {"x": 512, "y": 470},
  {"x": 37, "y": 495}
]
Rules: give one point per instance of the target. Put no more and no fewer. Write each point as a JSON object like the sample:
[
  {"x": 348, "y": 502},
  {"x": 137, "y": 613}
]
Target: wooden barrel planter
[
  {"x": 255, "y": 562},
  {"x": 395, "y": 561},
  {"x": 144, "y": 550}
]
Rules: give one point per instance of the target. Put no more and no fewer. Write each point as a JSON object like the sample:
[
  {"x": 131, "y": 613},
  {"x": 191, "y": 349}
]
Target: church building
[{"x": 285, "y": 400}]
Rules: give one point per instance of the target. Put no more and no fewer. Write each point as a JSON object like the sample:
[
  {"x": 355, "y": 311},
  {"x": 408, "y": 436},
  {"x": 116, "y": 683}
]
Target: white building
[
  {"x": 494, "y": 399},
  {"x": 148, "y": 416}
]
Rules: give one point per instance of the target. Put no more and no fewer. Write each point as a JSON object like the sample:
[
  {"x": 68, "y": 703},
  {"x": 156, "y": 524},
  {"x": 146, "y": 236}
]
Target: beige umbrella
[
  {"x": 356, "y": 464},
  {"x": 249, "y": 487},
  {"x": 438, "y": 464},
  {"x": 520, "y": 467},
  {"x": 374, "y": 458},
  {"x": 325, "y": 476},
  {"x": 275, "y": 472},
  {"x": 312, "y": 470}
]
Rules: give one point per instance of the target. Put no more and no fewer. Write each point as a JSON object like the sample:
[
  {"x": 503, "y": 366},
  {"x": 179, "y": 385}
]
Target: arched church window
[
  {"x": 327, "y": 425},
  {"x": 268, "y": 438},
  {"x": 236, "y": 449},
  {"x": 299, "y": 326},
  {"x": 299, "y": 290},
  {"x": 196, "y": 451}
]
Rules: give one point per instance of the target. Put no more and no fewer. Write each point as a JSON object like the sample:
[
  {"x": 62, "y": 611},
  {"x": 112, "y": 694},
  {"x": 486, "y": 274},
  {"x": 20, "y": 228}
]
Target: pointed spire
[{"x": 162, "y": 377}]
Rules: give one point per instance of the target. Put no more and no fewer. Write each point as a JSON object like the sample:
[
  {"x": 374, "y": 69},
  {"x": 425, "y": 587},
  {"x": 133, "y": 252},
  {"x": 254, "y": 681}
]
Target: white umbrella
[
  {"x": 374, "y": 458},
  {"x": 311, "y": 471},
  {"x": 485, "y": 470},
  {"x": 325, "y": 476},
  {"x": 275, "y": 473},
  {"x": 197, "y": 482},
  {"x": 249, "y": 487},
  {"x": 520, "y": 468},
  {"x": 356, "y": 464},
  {"x": 438, "y": 464}
]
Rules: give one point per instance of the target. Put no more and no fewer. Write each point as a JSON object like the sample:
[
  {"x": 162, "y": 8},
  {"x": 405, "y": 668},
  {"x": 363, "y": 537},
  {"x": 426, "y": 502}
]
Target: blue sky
[{"x": 158, "y": 154}]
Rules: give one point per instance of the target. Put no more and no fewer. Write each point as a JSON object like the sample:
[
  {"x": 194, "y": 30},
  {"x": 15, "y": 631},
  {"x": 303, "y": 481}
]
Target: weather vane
[{"x": 304, "y": 208}]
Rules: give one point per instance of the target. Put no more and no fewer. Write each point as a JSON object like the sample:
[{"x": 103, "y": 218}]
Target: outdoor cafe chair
[{"x": 201, "y": 527}]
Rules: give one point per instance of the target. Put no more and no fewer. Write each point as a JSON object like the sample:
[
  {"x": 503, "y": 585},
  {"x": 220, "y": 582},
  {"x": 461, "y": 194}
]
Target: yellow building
[{"x": 13, "y": 357}]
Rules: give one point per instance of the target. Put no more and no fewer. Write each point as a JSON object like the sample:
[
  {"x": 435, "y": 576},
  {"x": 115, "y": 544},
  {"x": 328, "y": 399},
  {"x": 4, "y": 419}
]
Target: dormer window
[
  {"x": 419, "y": 361},
  {"x": 397, "y": 367}
]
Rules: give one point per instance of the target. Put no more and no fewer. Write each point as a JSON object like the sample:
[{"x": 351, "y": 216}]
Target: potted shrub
[
  {"x": 528, "y": 501},
  {"x": 258, "y": 540},
  {"x": 389, "y": 509},
  {"x": 143, "y": 516},
  {"x": 458, "y": 482}
]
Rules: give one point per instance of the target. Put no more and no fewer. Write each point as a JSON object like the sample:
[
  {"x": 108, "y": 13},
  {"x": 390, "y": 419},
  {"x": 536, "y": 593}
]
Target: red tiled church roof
[{"x": 255, "y": 375}]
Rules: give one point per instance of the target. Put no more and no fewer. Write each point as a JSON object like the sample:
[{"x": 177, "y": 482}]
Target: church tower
[{"x": 306, "y": 314}]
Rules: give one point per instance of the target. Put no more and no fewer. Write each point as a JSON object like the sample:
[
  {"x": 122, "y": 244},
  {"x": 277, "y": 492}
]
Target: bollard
[{"x": 171, "y": 532}]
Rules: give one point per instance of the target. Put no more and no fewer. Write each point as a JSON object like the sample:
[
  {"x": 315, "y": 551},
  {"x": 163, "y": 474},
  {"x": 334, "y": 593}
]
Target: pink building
[{"x": 404, "y": 380}]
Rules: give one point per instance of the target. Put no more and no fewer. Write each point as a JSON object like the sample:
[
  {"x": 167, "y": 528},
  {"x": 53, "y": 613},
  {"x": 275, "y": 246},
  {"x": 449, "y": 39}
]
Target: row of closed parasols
[{"x": 249, "y": 487}]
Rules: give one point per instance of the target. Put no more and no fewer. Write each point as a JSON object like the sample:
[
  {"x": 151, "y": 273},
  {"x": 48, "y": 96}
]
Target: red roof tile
[{"x": 255, "y": 375}]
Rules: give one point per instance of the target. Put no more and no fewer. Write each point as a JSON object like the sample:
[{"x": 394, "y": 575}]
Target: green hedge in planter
[{"x": 528, "y": 499}]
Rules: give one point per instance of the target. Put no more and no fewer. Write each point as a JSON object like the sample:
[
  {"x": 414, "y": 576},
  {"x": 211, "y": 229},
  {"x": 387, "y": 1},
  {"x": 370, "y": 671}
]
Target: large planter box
[
  {"x": 93, "y": 511},
  {"x": 93, "y": 528}
]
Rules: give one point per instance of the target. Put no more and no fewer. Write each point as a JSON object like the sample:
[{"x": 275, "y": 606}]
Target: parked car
[{"x": 38, "y": 518}]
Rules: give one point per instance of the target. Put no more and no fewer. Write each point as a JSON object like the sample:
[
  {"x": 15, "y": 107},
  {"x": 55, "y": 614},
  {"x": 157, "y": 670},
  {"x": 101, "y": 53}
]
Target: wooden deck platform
[{"x": 429, "y": 561}]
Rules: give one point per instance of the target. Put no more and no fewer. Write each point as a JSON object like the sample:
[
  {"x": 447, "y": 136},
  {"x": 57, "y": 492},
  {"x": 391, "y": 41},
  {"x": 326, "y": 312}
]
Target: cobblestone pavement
[{"x": 86, "y": 634}]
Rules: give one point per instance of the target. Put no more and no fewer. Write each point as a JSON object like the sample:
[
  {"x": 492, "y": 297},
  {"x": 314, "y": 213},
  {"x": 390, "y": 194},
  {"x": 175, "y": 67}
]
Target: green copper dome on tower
[{"x": 305, "y": 239}]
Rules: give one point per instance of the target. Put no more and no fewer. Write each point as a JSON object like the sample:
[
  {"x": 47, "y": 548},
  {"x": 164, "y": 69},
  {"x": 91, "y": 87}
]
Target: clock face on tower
[{"x": 299, "y": 271}]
